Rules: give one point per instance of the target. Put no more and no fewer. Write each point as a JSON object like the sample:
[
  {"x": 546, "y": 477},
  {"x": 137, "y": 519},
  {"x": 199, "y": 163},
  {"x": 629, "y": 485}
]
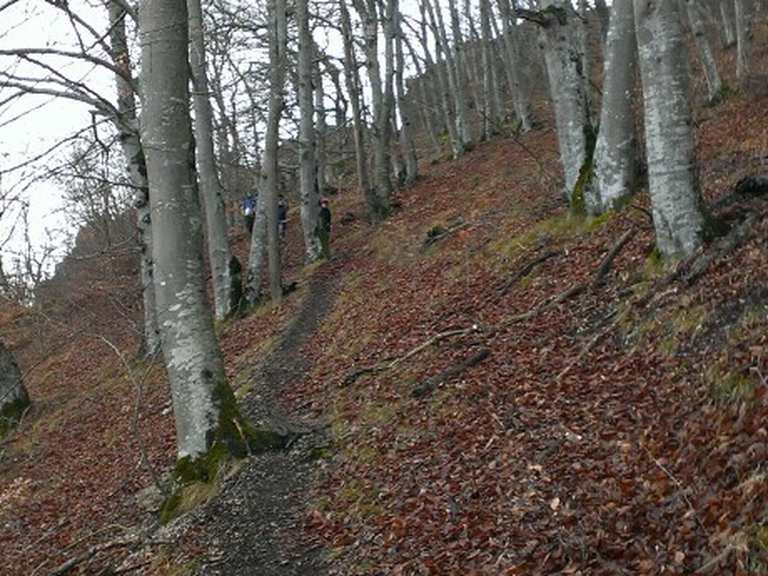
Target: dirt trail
[{"x": 254, "y": 526}]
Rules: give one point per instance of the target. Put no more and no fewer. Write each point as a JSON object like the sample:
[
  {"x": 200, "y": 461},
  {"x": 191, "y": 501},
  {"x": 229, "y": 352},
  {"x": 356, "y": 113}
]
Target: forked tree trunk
[
  {"x": 307, "y": 165},
  {"x": 444, "y": 74},
  {"x": 616, "y": 149},
  {"x": 714, "y": 85},
  {"x": 381, "y": 93},
  {"x": 203, "y": 404},
  {"x": 566, "y": 83},
  {"x": 133, "y": 152},
  {"x": 677, "y": 213},
  {"x": 513, "y": 70},
  {"x": 212, "y": 193},
  {"x": 354, "y": 89}
]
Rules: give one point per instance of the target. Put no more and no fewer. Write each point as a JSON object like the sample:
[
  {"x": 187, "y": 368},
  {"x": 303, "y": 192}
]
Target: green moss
[
  {"x": 732, "y": 387},
  {"x": 583, "y": 184},
  {"x": 194, "y": 479},
  {"x": 654, "y": 265}
]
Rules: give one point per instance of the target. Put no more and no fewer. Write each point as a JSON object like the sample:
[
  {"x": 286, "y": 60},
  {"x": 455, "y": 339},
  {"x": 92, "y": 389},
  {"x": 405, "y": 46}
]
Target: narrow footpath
[{"x": 254, "y": 527}]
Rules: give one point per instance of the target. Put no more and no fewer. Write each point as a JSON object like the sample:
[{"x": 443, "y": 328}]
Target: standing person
[
  {"x": 249, "y": 211},
  {"x": 282, "y": 217},
  {"x": 324, "y": 228}
]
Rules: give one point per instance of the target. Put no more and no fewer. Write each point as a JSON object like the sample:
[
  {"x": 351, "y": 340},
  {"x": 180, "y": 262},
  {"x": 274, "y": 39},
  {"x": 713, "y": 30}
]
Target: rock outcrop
[{"x": 13, "y": 396}]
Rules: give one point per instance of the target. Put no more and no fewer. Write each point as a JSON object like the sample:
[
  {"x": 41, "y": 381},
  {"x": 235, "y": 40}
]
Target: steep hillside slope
[{"x": 491, "y": 408}]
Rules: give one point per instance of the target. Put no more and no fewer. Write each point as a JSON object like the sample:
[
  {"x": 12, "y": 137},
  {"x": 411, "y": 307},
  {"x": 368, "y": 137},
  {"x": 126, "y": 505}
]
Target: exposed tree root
[
  {"x": 434, "y": 381},
  {"x": 527, "y": 269}
]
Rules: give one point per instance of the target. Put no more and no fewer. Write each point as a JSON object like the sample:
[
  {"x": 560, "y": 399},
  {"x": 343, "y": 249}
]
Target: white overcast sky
[{"x": 34, "y": 23}]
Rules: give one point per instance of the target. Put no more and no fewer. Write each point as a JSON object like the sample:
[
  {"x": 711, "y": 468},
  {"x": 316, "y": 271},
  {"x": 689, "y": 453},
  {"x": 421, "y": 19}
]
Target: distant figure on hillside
[
  {"x": 282, "y": 217},
  {"x": 324, "y": 229},
  {"x": 249, "y": 211}
]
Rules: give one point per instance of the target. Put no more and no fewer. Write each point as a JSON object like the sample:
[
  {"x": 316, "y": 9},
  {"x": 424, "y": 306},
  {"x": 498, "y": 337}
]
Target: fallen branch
[
  {"x": 724, "y": 246},
  {"x": 527, "y": 269},
  {"x": 434, "y": 237},
  {"x": 605, "y": 265},
  {"x": 375, "y": 368},
  {"x": 434, "y": 381}
]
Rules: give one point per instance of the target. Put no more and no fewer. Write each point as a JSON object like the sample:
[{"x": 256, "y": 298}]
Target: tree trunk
[
  {"x": 212, "y": 195},
  {"x": 130, "y": 141},
  {"x": 616, "y": 149},
  {"x": 321, "y": 130},
  {"x": 714, "y": 85},
  {"x": 425, "y": 82},
  {"x": 566, "y": 83},
  {"x": 744, "y": 15},
  {"x": 406, "y": 136},
  {"x": 381, "y": 94},
  {"x": 307, "y": 165},
  {"x": 604, "y": 15},
  {"x": 672, "y": 179},
  {"x": 270, "y": 172},
  {"x": 204, "y": 407},
  {"x": 490, "y": 110},
  {"x": 257, "y": 250},
  {"x": 355, "y": 92},
  {"x": 462, "y": 114},
  {"x": 727, "y": 30},
  {"x": 586, "y": 54},
  {"x": 513, "y": 70},
  {"x": 444, "y": 77}
]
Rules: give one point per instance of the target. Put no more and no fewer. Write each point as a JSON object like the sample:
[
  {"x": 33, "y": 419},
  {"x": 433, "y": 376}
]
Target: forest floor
[{"x": 471, "y": 400}]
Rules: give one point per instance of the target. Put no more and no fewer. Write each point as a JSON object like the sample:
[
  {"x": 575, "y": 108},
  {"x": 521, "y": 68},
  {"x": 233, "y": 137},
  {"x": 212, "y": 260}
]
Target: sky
[{"x": 32, "y": 124}]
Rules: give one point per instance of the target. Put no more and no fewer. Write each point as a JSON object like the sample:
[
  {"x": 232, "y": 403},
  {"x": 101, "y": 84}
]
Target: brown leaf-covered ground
[{"x": 644, "y": 455}]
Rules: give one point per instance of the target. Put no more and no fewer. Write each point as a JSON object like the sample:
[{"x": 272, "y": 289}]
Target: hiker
[
  {"x": 282, "y": 217},
  {"x": 249, "y": 212},
  {"x": 324, "y": 229}
]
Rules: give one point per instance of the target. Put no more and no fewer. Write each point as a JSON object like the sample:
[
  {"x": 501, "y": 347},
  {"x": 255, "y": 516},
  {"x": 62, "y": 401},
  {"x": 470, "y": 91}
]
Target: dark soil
[{"x": 255, "y": 526}]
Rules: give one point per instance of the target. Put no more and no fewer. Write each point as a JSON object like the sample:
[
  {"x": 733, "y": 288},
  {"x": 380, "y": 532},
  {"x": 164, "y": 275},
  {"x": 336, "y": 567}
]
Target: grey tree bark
[
  {"x": 403, "y": 105},
  {"x": 490, "y": 108},
  {"x": 444, "y": 76},
  {"x": 426, "y": 84},
  {"x": 321, "y": 129},
  {"x": 675, "y": 197},
  {"x": 133, "y": 152},
  {"x": 212, "y": 193},
  {"x": 278, "y": 36},
  {"x": 354, "y": 90},
  {"x": 513, "y": 70},
  {"x": 566, "y": 82},
  {"x": 307, "y": 164},
  {"x": 462, "y": 114},
  {"x": 604, "y": 15},
  {"x": 203, "y": 404},
  {"x": 714, "y": 84},
  {"x": 615, "y": 160},
  {"x": 727, "y": 29},
  {"x": 382, "y": 97},
  {"x": 744, "y": 15}
]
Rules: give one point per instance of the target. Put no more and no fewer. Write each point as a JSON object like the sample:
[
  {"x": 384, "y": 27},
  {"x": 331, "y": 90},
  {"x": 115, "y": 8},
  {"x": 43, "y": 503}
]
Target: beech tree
[
  {"x": 560, "y": 35},
  {"x": 615, "y": 151},
  {"x": 307, "y": 164},
  {"x": 672, "y": 179},
  {"x": 212, "y": 194},
  {"x": 708, "y": 63},
  {"x": 204, "y": 407}
]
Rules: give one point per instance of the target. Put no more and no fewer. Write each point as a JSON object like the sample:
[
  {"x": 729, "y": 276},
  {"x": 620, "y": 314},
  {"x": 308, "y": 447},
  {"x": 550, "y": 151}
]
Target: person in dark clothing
[
  {"x": 282, "y": 217},
  {"x": 324, "y": 229}
]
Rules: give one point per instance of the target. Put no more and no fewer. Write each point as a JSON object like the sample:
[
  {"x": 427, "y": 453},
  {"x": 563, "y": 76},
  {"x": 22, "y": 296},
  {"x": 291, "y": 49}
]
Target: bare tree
[
  {"x": 204, "y": 407},
  {"x": 674, "y": 188}
]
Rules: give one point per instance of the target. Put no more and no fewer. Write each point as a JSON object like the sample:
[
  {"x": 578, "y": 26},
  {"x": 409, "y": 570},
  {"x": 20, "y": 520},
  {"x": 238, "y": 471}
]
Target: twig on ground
[
  {"x": 67, "y": 566},
  {"x": 434, "y": 381},
  {"x": 375, "y": 368},
  {"x": 527, "y": 269}
]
